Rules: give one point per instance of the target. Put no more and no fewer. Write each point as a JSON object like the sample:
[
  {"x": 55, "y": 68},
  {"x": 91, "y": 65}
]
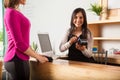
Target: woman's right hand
[
  {"x": 42, "y": 59},
  {"x": 73, "y": 40}
]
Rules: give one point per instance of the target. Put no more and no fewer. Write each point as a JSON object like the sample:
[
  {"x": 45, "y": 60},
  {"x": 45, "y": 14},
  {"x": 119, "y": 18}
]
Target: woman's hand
[
  {"x": 80, "y": 47},
  {"x": 73, "y": 40},
  {"x": 42, "y": 59}
]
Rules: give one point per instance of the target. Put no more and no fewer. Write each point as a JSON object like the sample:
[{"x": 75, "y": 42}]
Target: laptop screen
[{"x": 44, "y": 41}]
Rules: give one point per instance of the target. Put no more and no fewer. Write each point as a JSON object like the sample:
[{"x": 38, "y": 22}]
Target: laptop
[{"x": 45, "y": 45}]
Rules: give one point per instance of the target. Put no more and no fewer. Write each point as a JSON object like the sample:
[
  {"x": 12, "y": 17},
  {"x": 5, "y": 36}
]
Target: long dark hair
[
  {"x": 84, "y": 26},
  {"x": 11, "y": 3}
]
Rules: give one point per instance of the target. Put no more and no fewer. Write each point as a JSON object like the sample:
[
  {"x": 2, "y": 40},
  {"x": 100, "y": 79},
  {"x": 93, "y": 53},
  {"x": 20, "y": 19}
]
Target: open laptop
[{"x": 45, "y": 45}]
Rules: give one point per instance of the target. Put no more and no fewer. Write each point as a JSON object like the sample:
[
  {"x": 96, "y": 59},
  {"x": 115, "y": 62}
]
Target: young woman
[
  {"x": 78, "y": 31},
  {"x": 16, "y": 60}
]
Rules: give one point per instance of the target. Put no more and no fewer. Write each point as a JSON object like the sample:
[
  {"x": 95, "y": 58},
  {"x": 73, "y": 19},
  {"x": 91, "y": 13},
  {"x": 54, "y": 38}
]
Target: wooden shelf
[
  {"x": 96, "y": 27},
  {"x": 104, "y": 38},
  {"x": 104, "y": 21}
]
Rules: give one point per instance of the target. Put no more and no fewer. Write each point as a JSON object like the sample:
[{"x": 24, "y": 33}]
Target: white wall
[
  {"x": 53, "y": 16},
  {"x": 111, "y": 30},
  {"x": 112, "y": 4}
]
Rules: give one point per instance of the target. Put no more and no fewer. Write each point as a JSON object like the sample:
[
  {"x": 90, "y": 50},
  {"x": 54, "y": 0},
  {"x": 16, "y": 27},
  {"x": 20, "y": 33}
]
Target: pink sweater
[{"x": 18, "y": 29}]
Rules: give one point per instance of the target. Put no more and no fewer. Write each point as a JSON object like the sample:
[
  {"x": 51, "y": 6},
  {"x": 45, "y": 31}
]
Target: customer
[
  {"x": 16, "y": 60},
  {"x": 78, "y": 30}
]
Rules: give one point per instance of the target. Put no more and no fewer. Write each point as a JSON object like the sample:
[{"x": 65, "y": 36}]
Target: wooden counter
[
  {"x": 72, "y": 70},
  {"x": 1, "y": 63},
  {"x": 111, "y": 59},
  {"x": 114, "y": 58}
]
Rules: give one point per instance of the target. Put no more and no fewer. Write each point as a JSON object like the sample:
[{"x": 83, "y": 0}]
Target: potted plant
[
  {"x": 34, "y": 46},
  {"x": 96, "y": 8}
]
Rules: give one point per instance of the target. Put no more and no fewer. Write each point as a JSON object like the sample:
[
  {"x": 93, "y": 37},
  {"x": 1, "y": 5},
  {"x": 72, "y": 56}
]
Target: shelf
[
  {"x": 97, "y": 27},
  {"x": 103, "y": 38},
  {"x": 105, "y": 21}
]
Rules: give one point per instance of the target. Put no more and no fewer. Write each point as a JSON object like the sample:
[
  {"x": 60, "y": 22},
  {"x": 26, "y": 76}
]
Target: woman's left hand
[{"x": 80, "y": 47}]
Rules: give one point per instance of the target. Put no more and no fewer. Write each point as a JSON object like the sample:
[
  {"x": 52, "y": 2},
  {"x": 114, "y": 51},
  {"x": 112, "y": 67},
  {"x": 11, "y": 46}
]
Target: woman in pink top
[{"x": 16, "y": 60}]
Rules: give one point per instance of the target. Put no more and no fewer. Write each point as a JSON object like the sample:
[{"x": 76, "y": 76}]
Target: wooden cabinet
[{"x": 96, "y": 28}]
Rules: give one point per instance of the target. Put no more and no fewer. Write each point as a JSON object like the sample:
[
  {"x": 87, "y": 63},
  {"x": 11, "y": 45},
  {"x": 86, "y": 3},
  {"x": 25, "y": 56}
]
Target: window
[{"x": 1, "y": 29}]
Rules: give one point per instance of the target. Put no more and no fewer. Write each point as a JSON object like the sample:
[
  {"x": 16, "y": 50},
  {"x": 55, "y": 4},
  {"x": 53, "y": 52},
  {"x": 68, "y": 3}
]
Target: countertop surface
[{"x": 68, "y": 70}]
